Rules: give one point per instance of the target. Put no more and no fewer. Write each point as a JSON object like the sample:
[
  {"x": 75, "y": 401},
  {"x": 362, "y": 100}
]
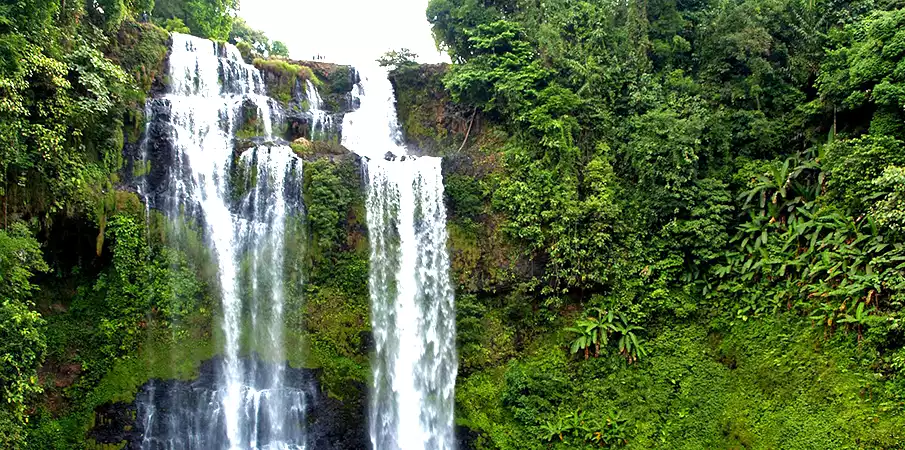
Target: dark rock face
[
  {"x": 173, "y": 414},
  {"x": 114, "y": 423},
  {"x": 158, "y": 164},
  {"x": 432, "y": 124},
  {"x": 466, "y": 438},
  {"x": 176, "y": 414},
  {"x": 159, "y": 148}
]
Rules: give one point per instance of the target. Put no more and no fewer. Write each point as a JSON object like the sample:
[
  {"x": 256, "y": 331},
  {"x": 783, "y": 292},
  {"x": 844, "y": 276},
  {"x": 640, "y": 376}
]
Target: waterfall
[
  {"x": 412, "y": 303},
  {"x": 321, "y": 122},
  {"x": 210, "y": 91}
]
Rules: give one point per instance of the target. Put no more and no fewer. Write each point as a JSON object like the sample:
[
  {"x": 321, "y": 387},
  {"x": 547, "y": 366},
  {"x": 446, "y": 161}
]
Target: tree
[
  {"x": 398, "y": 59},
  {"x": 20, "y": 259},
  {"x": 212, "y": 19},
  {"x": 176, "y": 25},
  {"x": 503, "y": 72},
  {"x": 22, "y": 348},
  {"x": 864, "y": 71},
  {"x": 279, "y": 49},
  {"x": 241, "y": 32},
  {"x": 854, "y": 164},
  {"x": 889, "y": 208}
]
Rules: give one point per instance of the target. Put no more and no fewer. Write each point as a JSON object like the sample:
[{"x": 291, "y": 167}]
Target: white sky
[{"x": 344, "y": 31}]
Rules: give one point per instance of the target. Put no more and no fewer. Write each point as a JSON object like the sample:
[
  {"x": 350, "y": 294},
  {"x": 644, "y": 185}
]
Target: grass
[{"x": 286, "y": 69}]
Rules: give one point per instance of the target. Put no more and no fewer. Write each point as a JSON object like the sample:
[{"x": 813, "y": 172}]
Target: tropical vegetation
[
  {"x": 643, "y": 193},
  {"x": 673, "y": 224}
]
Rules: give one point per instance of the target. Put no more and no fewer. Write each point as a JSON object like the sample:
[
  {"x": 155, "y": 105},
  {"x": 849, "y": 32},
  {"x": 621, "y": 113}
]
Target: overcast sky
[{"x": 344, "y": 31}]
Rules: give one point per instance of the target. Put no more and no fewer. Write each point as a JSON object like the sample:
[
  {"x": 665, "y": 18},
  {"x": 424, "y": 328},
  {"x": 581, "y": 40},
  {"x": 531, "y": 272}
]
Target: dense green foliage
[
  {"x": 648, "y": 172},
  {"x": 92, "y": 284},
  {"x": 335, "y": 316},
  {"x": 22, "y": 341},
  {"x": 207, "y": 18},
  {"x": 672, "y": 224},
  {"x": 254, "y": 43},
  {"x": 70, "y": 76}
]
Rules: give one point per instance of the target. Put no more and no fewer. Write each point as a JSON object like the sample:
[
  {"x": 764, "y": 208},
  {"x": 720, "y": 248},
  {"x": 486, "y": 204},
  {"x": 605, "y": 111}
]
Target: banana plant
[
  {"x": 592, "y": 332},
  {"x": 783, "y": 189},
  {"x": 630, "y": 345},
  {"x": 553, "y": 430},
  {"x": 857, "y": 318}
]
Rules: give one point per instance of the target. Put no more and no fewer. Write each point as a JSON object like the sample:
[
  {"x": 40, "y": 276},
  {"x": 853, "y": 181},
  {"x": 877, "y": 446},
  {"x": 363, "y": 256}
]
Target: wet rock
[
  {"x": 466, "y": 438},
  {"x": 185, "y": 414},
  {"x": 389, "y": 156},
  {"x": 367, "y": 344},
  {"x": 158, "y": 151},
  {"x": 298, "y": 125},
  {"x": 114, "y": 423}
]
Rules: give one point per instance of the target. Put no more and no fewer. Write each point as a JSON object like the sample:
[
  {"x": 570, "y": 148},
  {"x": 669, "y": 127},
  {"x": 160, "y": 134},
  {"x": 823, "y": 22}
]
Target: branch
[{"x": 468, "y": 131}]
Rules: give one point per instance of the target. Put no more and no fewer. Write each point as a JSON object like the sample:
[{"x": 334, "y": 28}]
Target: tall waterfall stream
[
  {"x": 252, "y": 406},
  {"x": 412, "y": 303}
]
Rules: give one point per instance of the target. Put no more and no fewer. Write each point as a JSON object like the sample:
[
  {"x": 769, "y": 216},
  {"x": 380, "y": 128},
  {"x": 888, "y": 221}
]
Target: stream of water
[
  {"x": 412, "y": 302},
  {"x": 210, "y": 87}
]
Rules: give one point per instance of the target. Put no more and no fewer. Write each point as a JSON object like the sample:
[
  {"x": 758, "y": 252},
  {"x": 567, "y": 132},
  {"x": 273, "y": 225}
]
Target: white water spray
[
  {"x": 321, "y": 121},
  {"x": 252, "y": 409},
  {"x": 412, "y": 302}
]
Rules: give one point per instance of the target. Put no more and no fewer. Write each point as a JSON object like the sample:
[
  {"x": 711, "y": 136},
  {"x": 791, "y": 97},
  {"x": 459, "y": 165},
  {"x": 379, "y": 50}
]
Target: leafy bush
[
  {"x": 328, "y": 193},
  {"x": 398, "y": 59},
  {"x": 176, "y": 25},
  {"x": 22, "y": 340},
  {"x": 279, "y": 49},
  {"x": 282, "y": 76},
  {"x": 854, "y": 164}
]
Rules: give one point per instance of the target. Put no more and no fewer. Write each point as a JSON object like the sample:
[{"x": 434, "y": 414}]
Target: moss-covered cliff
[
  {"x": 132, "y": 293},
  {"x": 770, "y": 382}
]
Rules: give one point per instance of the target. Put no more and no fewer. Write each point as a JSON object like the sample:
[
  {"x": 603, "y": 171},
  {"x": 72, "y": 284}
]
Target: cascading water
[
  {"x": 412, "y": 302},
  {"x": 251, "y": 407},
  {"x": 321, "y": 121}
]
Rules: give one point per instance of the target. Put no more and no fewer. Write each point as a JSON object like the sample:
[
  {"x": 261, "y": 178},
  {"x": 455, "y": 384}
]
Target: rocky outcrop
[
  {"x": 482, "y": 258},
  {"x": 308, "y": 105},
  {"x": 313, "y": 115},
  {"x": 308, "y": 118},
  {"x": 431, "y": 123}
]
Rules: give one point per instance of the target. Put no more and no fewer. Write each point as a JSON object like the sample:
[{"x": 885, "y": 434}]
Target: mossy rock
[
  {"x": 141, "y": 49},
  {"x": 284, "y": 78},
  {"x": 431, "y": 123},
  {"x": 338, "y": 79}
]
